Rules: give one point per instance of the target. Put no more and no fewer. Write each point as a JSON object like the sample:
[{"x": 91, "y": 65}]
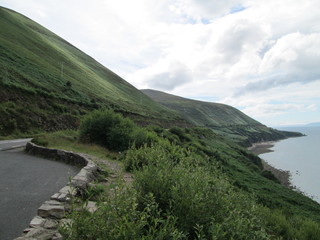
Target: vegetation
[
  {"x": 111, "y": 130},
  {"x": 191, "y": 184}
]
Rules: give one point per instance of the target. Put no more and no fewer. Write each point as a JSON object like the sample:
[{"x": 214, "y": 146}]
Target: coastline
[{"x": 265, "y": 147}]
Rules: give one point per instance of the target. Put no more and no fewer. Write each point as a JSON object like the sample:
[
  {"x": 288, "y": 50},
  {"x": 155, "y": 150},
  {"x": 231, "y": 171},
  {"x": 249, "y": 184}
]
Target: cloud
[
  {"x": 176, "y": 75},
  {"x": 199, "y": 9},
  {"x": 165, "y": 75},
  {"x": 264, "y": 110},
  {"x": 293, "y": 58}
]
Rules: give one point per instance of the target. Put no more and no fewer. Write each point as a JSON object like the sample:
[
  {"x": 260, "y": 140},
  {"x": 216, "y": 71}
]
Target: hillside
[
  {"x": 222, "y": 119},
  {"x": 46, "y": 83}
]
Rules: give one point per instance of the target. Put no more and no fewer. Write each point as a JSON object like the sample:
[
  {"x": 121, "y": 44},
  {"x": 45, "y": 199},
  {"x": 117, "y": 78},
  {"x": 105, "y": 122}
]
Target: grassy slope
[
  {"x": 31, "y": 58},
  {"x": 223, "y": 119}
]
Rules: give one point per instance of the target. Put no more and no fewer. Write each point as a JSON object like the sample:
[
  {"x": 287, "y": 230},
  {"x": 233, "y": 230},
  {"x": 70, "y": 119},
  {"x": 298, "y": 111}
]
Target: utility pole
[
  {"x": 5, "y": 78},
  {"x": 62, "y": 70}
]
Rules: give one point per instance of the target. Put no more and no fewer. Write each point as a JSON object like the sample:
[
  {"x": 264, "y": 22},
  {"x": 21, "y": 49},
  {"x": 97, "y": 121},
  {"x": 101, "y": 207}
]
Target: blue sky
[{"x": 261, "y": 57}]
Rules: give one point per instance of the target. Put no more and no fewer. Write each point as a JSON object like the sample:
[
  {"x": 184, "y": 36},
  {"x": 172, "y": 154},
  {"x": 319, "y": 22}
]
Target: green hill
[
  {"x": 46, "y": 83},
  {"x": 222, "y": 119}
]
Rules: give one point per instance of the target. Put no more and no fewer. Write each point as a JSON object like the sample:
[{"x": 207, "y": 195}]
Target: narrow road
[
  {"x": 25, "y": 183},
  {"x": 11, "y": 144}
]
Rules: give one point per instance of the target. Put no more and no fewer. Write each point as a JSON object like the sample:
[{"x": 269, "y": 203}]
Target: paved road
[
  {"x": 25, "y": 183},
  {"x": 9, "y": 144}
]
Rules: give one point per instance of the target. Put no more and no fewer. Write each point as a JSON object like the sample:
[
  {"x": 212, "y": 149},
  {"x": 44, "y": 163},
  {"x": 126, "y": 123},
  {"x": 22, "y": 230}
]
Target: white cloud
[
  {"x": 265, "y": 110},
  {"x": 200, "y": 9},
  {"x": 293, "y": 58}
]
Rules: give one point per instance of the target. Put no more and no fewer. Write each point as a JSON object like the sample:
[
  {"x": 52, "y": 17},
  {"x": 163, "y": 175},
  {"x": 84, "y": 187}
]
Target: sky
[{"x": 262, "y": 57}]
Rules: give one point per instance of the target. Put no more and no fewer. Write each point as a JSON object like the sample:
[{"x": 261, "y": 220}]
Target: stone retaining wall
[{"x": 52, "y": 212}]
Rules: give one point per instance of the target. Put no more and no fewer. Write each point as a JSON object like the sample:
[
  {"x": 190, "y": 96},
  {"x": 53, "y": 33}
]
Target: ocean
[{"x": 300, "y": 156}]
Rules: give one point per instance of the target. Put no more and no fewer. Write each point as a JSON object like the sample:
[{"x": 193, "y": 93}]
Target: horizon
[{"x": 258, "y": 57}]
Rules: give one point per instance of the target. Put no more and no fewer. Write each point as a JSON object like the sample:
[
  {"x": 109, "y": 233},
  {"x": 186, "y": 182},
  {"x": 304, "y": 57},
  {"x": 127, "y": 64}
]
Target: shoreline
[
  {"x": 282, "y": 175},
  {"x": 261, "y": 147}
]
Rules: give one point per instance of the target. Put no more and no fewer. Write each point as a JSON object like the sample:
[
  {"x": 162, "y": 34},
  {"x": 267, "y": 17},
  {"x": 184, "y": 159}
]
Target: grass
[{"x": 68, "y": 140}]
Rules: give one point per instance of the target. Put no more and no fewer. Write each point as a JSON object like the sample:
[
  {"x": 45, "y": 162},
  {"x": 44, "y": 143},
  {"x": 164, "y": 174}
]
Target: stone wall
[{"x": 51, "y": 214}]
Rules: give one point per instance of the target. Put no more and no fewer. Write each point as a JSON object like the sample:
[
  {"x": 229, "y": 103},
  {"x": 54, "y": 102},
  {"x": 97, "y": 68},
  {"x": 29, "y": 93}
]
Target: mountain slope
[
  {"x": 43, "y": 75},
  {"x": 223, "y": 119}
]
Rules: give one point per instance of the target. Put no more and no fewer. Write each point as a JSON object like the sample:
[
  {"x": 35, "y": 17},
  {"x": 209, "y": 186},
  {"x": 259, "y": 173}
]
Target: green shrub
[
  {"x": 136, "y": 159},
  {"x": 119, "y": 219},
  {"x": 181, "y": 133},
  {"x": 8, "y": 126},
  {"x": 142, "y": 136},
  {"x": 93, "y": 192},
  {"x": 113, "y": 131},
  {"x": 107, "y": 128},
  {"x": 196, "y": 193}
]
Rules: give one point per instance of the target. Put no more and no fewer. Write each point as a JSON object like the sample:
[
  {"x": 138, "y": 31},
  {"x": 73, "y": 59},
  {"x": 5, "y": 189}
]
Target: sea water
[{"x": 300, "y": 156}]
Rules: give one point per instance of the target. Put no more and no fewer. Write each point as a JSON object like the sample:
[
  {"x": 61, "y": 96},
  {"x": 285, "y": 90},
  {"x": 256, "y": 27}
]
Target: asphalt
[
  {"x": 12, "y": 144},
  {"x": 25, "y": 183}
]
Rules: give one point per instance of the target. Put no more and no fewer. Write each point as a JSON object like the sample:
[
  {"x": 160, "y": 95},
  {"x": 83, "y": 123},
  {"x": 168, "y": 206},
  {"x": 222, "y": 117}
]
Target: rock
[
  {"x": 40, "y": 233},
  {"x": 57, "y": 236},
  {"x": 55, "y": 196},
  {"x": 91, "y": 206},
  {"x": 66, "y": 222},
  {"x": 68, "y": 190},
  {"x": 37, "y": 222},
  {"x": 27, "y": 230},
  {"x": 50, "y": 224},
  {"x": 61, "y": 153},
  {"x": 64, "y": 194},
  {"x": 82, "y": 179},
  {"x": 51, "y": 208},
  {"x": 61, "y": 197}
]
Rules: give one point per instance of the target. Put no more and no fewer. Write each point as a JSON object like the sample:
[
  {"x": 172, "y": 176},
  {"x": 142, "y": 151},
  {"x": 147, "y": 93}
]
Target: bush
[
  {"x": 181, "y": 133},
  {"x": 119, "y": 219},
  {"x": 113, "y": 131},
  {"x": 195, "y": 192}
]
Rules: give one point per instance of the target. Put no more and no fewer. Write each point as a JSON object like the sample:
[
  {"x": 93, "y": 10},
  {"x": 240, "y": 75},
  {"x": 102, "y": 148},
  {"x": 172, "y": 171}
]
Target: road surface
[
  {"x": 25, "y": 183},
  {"x": 12, "y": 144}
]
